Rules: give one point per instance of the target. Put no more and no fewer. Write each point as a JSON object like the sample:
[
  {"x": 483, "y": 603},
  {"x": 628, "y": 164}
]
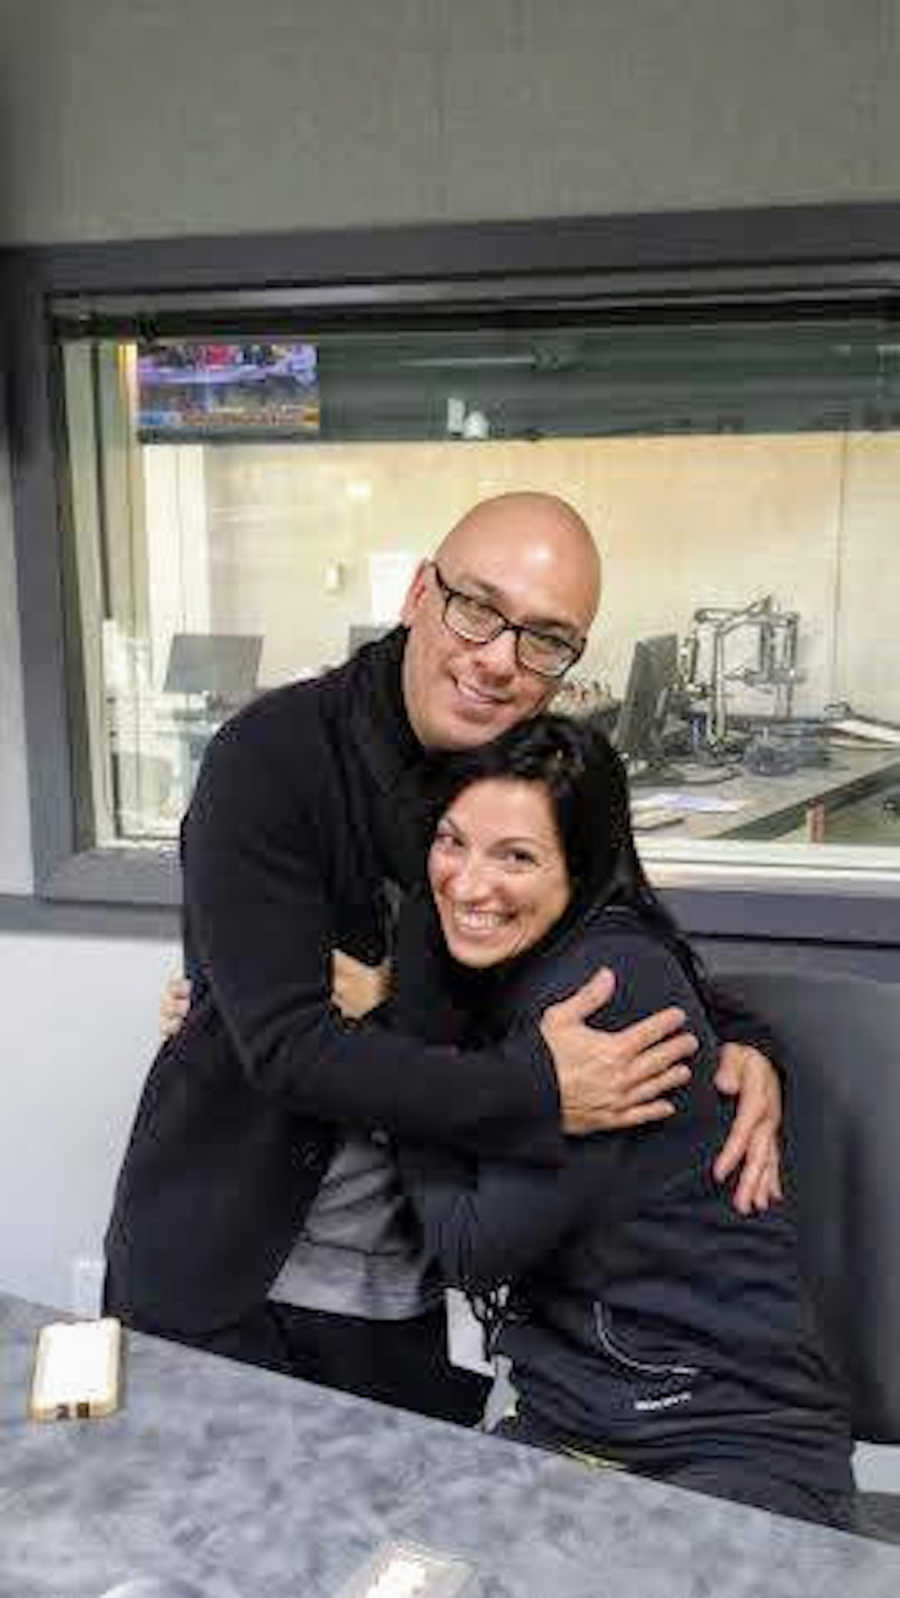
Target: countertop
[{"x": 251, "y": 1485}]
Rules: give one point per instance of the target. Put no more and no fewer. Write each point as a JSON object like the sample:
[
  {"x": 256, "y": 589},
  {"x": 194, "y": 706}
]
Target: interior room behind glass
[{"x": 245, "y": 511}]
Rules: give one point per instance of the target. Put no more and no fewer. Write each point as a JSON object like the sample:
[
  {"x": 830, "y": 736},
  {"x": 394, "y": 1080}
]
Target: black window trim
[{"x": 788, "y": 255}]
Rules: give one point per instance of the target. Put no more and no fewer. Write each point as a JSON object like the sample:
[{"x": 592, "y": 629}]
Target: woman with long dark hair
[{"x": 648, "y": 1323}]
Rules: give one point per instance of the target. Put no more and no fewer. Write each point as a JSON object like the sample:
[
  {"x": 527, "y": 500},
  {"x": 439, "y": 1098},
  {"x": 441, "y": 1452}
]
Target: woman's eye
[
  {"x": 445, "y": 840},
  {"x": 519, "y": 857}
]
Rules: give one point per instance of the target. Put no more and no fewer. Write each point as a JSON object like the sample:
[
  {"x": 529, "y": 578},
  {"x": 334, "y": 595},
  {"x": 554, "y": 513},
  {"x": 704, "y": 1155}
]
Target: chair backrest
[{"x": 839, "y": 1040}]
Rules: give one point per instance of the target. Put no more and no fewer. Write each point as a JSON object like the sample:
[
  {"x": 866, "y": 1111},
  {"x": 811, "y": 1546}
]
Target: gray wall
[{"x": 188, "y": 116}]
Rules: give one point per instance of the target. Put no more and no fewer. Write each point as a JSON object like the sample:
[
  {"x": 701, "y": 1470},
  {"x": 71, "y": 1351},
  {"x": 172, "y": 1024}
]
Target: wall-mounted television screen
[{"x": 253, "y": 390}]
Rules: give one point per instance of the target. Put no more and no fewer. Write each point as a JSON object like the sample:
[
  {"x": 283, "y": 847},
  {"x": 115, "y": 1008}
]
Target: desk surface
[
  {"x": 251, "y": 1485},
  {"x": 771, "y": 804}
]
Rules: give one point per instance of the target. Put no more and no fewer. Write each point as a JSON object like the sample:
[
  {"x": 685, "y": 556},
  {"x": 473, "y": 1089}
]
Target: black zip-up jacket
[
  {"x": 646, "y": 1317},
  {"x": 307, "y": 804}
]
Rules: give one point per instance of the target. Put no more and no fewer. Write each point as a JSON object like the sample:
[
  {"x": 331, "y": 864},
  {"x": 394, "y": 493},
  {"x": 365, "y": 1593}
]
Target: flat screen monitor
[
  {"x": 221, "y": 665},
  {"x": 651, "y": 682},
  {"x": 258, "y": 389}
]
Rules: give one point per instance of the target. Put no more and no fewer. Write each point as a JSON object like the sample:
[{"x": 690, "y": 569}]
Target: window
[
  {"x": 246, "y": 503},
  {"x": 227, "y": 456}
]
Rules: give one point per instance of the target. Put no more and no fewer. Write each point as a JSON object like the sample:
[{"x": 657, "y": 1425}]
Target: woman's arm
[{"x": 489, "y": 1222}]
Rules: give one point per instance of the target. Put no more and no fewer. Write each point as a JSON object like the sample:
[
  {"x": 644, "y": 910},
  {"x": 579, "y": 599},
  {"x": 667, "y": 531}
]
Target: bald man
[{"x": 258, "y": 1212}]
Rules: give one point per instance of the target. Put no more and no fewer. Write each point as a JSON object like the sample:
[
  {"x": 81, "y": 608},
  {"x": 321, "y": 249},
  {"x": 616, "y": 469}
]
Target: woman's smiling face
[{"x": 497, "y": 870}]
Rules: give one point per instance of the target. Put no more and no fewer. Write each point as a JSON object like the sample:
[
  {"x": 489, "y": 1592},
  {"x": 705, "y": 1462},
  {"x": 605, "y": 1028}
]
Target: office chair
[{"x": 839, "y": 1039}]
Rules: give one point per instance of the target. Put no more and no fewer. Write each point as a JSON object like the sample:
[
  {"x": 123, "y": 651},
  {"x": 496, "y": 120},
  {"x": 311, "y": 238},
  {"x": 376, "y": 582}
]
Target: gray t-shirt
[{"x": 358, "y": 1252}]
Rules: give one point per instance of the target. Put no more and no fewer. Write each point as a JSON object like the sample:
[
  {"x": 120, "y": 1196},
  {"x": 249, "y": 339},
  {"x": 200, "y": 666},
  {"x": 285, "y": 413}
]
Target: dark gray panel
[
  {"x": 733, "y": 955},
  {"x": 869, "y": 914},
  {"x": 18, "y": 914}
]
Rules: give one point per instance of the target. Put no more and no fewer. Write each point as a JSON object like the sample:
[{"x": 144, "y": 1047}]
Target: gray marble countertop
[{"x": 250, "y": 1485}]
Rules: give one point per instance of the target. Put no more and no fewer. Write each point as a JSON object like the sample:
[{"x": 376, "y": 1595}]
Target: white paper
[{"x": 685, "y": 803}]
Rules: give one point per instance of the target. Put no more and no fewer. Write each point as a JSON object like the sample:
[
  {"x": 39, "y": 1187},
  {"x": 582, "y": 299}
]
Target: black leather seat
[{"x": 840, "y": 1042}]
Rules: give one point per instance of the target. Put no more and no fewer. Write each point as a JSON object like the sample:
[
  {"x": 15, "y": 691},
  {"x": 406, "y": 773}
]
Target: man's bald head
[
  {"x": 529, "y": 557},
  {"x": 536, "y": 533}
]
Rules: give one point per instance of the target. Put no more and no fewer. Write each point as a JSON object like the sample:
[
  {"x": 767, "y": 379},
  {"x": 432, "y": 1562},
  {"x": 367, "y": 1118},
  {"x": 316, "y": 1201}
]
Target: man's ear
[{"x": 415, "y": 593}]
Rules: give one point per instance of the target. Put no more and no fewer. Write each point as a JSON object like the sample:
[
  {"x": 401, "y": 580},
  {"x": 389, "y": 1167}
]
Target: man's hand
[
  {"x": 174, "y": 1006},
  {"x": 609, "y": 1080},
  {"x": 357, "y": 988},
  {"x": 753, "y": 1138}
]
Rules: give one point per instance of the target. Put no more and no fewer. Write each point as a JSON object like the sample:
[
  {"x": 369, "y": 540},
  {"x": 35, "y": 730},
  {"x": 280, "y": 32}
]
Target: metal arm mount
[{"x": 776, "y": 659}]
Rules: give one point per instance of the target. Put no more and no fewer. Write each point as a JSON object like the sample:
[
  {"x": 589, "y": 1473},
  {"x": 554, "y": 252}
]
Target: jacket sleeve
[
  {"x": 262, "y": 929},
  {"x": 734, "y": 1023},
  {"x": 489, "y": 1222}
]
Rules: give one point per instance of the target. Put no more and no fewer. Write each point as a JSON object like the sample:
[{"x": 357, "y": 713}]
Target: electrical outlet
[{"x": 86, "y": 1287}]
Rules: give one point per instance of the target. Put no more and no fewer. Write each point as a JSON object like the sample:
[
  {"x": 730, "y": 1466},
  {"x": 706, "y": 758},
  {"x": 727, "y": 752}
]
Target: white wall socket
[{"x": 86, "y": 1287}]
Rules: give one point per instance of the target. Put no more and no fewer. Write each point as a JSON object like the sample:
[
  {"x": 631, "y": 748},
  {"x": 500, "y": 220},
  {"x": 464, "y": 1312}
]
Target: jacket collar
[
  {"x": 392, "y": 758},
  {"x": 530, "y": 983},
  {"x": 382, "y": 733}
]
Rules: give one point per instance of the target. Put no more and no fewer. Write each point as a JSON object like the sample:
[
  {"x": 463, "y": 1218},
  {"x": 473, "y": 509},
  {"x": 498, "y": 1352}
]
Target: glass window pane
[{"x": 246, "y": 511}]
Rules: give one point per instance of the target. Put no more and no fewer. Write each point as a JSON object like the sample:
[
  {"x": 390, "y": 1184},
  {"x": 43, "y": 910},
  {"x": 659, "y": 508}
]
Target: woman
[{"x": 648, "y": 1324}]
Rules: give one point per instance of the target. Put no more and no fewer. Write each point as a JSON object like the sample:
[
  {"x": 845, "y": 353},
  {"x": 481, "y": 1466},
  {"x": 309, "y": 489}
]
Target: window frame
[{"x": 809, "y": 255}]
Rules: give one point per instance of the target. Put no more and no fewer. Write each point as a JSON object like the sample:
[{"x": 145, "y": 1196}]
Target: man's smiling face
[{"x": 532, "y": 559}]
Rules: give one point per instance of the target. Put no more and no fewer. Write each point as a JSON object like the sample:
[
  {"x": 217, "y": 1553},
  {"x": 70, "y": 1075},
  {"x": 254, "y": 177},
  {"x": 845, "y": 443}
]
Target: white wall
[
  {"x": 77, "y": 1034},
  {"x": 680, "y": 522}
]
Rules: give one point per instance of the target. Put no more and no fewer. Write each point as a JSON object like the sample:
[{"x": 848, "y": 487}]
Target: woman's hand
[
  {"x": 753, "y": 1139},
  {"x": 357, "y": 988},
  {"x": 174, "y": 1006}
]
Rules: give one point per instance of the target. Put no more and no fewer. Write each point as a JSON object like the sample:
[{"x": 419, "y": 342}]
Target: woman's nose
[{"x": 470, "y": 880}]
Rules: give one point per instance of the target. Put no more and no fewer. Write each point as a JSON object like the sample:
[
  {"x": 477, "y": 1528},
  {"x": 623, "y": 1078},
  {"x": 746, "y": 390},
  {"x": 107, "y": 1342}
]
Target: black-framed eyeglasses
[{"x": 480, "y": 623}]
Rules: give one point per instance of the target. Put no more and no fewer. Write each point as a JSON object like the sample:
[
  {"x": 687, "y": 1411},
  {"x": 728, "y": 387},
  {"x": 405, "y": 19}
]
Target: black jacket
[
  {"x": 645, "y": 1313},
  {"x": 307, "y": 804}
]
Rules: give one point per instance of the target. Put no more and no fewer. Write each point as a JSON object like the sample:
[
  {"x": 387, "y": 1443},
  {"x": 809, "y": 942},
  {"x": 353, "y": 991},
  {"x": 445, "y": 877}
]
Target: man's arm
[
  {"x": 263, "y": 930},
  {"x": 752, "y": 1148},
  {"x": 489, "y": 1222},
  {"x": 610, "y": 1099}
]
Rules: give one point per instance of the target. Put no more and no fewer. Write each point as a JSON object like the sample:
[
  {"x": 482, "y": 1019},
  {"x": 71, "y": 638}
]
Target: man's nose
[{"x": 498, "y": 657}]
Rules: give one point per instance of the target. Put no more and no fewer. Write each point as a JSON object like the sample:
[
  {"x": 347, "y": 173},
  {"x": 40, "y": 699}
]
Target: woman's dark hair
[{"x": 588, "y": 789}]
